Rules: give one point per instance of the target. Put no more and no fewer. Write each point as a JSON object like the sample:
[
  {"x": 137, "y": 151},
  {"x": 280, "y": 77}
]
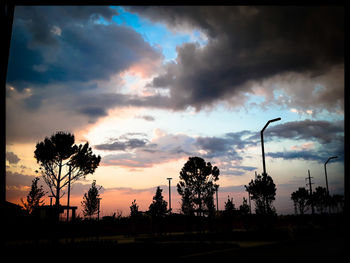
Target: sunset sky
[{"x": 148, "y": 87}]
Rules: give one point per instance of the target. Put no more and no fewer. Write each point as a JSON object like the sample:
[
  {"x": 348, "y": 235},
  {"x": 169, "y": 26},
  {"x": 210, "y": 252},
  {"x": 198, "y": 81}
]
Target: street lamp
[
  {"x": 325, "y": 172},
  {"x": 262, "y": 141},
  {"x": 217, "y": 198},
  {"x": 169, "y": 195}
]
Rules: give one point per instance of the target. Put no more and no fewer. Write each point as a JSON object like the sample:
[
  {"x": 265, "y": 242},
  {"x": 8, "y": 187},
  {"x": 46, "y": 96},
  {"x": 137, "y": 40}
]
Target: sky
[{"x": 148, "y": 87}]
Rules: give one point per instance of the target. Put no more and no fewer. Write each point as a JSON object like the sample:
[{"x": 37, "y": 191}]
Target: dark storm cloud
[
  {"x": 247, "y": 44},
  {"x": 305, "y": 155},
  {"x": 39, "y": 20},
  {"x": 65, "y": 56},
  {"x": 93, "y": 111},
  {"x": 18, "y": 179},
  {"x": 12, "y": 158},
  {"x": 67, "y": 44},
  {"x": 320, "y": 156},
  {"x": 322, "y": 131},
  {"x": 217, "y": 147},
  {"x": 100, "y": 103}
]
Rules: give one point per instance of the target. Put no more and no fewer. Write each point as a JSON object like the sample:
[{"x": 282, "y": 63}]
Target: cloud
[
  {"x": 217, "y": 147},
  {"x": 149, "y": 152},
  {"x": 72, "y": 65},
  {"x": 74, "y": 62},
  {"x": 322, "y": 138},
  {"x": 246, "y": 168},
  {"x": 249, "y": 46},
  {"x": 79, "y": 189},
  {"x": 42, "y": 21},
  {"x": 146, "y": 117},
  {"x": 322, "y": 131},
  {"x": 304, "y": 146},
  {"x": 83, "y": 51},
  {"x": 12, "y": 158},
  {"x": 71, "y": 110},
  {"x": 166, "y": 147},
  {"x": 304, "y": 155},
  {"x": 18, "y": 179},
  {"x": 122, "y": 143},
  {"x": 93, "y": 111}
]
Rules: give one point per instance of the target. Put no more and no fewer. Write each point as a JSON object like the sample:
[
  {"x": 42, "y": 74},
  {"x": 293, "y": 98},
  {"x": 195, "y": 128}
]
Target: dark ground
[{"x": 291, "y": 239}]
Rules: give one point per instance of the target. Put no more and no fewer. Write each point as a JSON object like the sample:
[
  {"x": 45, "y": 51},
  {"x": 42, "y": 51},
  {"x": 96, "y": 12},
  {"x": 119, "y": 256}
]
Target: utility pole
[
  {"x": 217, "y": 198},
  {"x": 98, "y": 209},
  {"x": 70, "y": 170},
  {"x": 169, "y": 179},
  {"x": 309, "y": 184},
  {"x": 250, "y": 205}
]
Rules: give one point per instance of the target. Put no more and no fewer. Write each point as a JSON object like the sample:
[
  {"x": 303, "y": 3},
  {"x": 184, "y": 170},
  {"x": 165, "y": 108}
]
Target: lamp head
[{"x": 277, "y": 119}]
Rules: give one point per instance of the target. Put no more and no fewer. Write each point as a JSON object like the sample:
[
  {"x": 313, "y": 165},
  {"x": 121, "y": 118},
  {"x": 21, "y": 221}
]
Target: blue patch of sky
[
  {"x": 157, "y": 34},
  {"x": 318, "y": 88}
]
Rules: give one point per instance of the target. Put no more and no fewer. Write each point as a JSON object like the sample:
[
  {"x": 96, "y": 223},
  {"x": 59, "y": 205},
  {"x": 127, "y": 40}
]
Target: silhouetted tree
[
  {"x": 158, "y": 208},
  {"x": 90, "y": 201},
  {"x": 56, "y": 154},
  {"x": 263, "y": 192},
  {"x": 301, "y": 199},
  {"x": 244, "y": 207},
  {"x": 337, "y": 202},
  {"x": 229, "y": 205},
  {"x": 196, "y": 184},
  {"x": 34, "y": 197},
  {"x": 186, "y": 203},
  {"x": 320, "y": 199},
  {"x": 134, "y": 209},
  {"x": 229, "y": 213}
]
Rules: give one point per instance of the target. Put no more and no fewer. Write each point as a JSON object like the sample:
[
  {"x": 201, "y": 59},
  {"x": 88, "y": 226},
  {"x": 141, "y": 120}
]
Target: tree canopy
[
  {"x": 158, "y": 208},
  {"x": 263, "y": 192},
  {"x": 59, "y": 157},
  {"x": 197, "y": 185},
  {"x": 301, "y": 199},
  {"x": 34, "y": 197},
  {"x": 134, "y": 209},
  {"x": 91, "y": 200}
]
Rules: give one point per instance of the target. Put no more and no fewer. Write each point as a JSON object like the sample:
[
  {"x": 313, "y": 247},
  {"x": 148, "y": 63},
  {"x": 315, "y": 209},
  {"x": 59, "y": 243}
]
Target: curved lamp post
[
  {"x": 262, "y": 141},
  {"x": 325, "y": 172},
  {"x": 169, "y": 179}
]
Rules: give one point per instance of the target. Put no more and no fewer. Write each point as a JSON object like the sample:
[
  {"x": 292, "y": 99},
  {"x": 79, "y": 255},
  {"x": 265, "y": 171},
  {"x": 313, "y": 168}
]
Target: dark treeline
[{"x": 29, "y": 227}]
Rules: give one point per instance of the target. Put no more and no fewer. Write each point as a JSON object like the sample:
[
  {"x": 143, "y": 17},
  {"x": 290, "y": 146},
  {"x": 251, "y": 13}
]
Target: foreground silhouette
[
  {"x": 62, "y": 162},
  {"x": 289, "y": 236},
  {"x": 197, "y": 186}
]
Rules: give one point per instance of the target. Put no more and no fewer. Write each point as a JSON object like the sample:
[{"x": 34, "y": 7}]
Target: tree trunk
[
  {"x": 200, "y": 204},
  {"x": 58, "y": 189}
]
